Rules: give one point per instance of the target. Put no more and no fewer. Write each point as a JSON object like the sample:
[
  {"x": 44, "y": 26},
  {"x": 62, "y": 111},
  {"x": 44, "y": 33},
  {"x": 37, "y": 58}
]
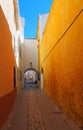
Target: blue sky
[{"x": 30, "y": 10}]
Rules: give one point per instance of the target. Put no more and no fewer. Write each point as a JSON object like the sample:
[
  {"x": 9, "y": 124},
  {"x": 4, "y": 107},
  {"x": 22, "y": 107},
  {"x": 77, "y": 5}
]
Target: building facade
[
  {"x": 30, "y": 53},
  {"x": 30, "y": 61},
  {"x": 42, "y": 21},
  {"x": 9, "y": 46},
  {"x": 61, "y": 57}
]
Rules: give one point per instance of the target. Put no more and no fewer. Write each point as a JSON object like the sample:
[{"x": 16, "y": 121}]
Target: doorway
[
  {"x": 14, "y": 77},
  {"x": 42, "y": 79}
]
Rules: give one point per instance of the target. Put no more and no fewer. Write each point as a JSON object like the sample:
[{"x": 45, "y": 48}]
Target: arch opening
[{"x": 31, "y": 77}]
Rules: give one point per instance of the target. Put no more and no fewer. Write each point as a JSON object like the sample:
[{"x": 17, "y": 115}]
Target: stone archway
[{"x": 31, "y": 77}]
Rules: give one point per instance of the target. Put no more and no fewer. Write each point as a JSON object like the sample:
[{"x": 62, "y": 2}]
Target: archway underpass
[{"x": 31, "y": 77}]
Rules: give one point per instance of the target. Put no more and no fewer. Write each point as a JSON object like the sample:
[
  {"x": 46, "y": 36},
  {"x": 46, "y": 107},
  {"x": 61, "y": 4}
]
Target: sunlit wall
[
  {"x": 7, "y": 69},
  {"x": 61, "y": 57}
]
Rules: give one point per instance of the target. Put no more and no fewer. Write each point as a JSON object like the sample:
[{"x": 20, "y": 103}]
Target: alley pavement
[{"x": 32, "y": 110}]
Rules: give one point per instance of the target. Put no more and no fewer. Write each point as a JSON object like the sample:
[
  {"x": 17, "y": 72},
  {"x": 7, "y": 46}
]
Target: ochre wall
[
  {"x": 7, "y": 59},
  {"x": 6, "y": 103},
  {"x": 61, "y": 53},
  {"x": 7, "y": 63}
]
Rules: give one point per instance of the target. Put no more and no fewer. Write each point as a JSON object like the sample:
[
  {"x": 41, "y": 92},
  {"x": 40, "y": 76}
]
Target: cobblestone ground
[{"x": 35, "y": 121}]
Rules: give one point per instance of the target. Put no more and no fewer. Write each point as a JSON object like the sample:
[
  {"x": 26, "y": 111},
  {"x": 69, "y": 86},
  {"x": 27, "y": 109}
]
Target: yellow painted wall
[
  {"x": 61, "y": 57},
  {"x": 7, "y": 59}
]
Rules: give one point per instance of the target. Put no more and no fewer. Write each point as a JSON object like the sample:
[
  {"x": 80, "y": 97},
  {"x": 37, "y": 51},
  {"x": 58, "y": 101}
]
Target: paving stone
[
  {"x": 32, "y": 110},
  {"x": 35, "y": 121},
  {"x": 72, "y": 124}
]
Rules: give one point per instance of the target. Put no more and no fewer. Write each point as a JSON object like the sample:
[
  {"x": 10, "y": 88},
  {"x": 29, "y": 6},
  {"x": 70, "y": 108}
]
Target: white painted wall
[
  {"x": 30, "y": 53},
  {"x": 43, "y": 19},
  {"x": 8, "y": 9},
  {"x": 11, "y": 12},
  {"x": 22, "y": 24}
]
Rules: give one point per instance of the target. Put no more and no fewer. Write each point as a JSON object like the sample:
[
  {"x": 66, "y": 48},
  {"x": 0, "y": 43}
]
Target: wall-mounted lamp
[{"x": 31, "y": 64}]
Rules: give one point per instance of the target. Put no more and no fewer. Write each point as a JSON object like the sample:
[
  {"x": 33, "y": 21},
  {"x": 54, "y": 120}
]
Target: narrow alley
[
  {"x": 41, "y": 65},
  {"x": 32, "y": 110}
]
